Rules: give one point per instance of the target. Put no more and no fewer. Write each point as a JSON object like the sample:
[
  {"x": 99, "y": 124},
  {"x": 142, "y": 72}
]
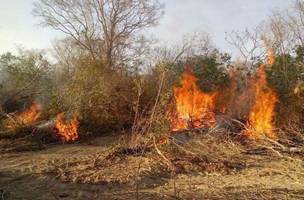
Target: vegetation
[{"x": 114, "y": 82}]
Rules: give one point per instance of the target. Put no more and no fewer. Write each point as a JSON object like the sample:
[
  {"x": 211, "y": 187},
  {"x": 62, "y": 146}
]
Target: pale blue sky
[{"x": 18, "y": 27}]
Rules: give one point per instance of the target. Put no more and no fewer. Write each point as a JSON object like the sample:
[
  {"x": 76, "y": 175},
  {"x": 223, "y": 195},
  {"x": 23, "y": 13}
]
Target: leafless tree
[
  {"x": 109, "y": 30},
  {"x": 278, "y": 31},
  {"x": 67, "y": 54},
  {"x": 285, "y": 28},
  {"x": 191, "y": 45},
  {"x": 295, "y": 21},
  {"x": 249, "y": 43}
]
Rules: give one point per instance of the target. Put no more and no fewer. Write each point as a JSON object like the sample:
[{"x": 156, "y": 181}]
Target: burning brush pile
[
  {"x": 196, "y": 109},
  {"x": 30, "y": 121},
  {"x": 27, "y": 117}
]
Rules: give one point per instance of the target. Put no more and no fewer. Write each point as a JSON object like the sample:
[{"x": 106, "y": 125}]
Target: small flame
[
  {"x": 270, "y": 54},
  {"x": 193, "y": 107},
  {"x": 270, "y": 57},
  {"x": 67, "y": 130},
  {"x": 27, "y": 117},
  {"x": 263, "y": 112}
]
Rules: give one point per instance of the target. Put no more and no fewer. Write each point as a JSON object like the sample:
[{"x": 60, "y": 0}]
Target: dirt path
[{"x": 48, "y": 174}]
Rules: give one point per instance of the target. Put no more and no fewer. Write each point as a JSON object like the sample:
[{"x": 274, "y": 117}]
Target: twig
[
  {"x": 275, "y": 151},
  {"x": 156, "y": 101},
  {"x": 276, "y": 143},
  {"x": 181, "y": 147},
  {"x": 169, "y": 163},
  {"x": 241, "y": 123}
]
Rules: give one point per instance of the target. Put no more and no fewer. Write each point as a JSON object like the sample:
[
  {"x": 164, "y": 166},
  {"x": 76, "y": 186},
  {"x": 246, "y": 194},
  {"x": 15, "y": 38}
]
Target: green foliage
[
  {"x": 210, "y": 69},
  {"x": 284, "y": 76},
  {"x": 299, "y": 50},
  {"x": 211, "y": 74}
]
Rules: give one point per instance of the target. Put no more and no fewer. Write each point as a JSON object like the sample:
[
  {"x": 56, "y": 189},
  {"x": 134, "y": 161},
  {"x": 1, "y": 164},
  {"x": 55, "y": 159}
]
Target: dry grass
[{"x": 208, "y": 166}]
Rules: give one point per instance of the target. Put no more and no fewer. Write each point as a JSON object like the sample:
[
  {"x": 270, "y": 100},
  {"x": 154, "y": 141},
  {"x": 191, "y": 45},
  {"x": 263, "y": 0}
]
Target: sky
[{"x": 18, "y": 28}]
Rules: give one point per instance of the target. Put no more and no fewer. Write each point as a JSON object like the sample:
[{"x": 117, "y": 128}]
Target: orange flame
[
  {"x": 27, "y": 117},
  {"x": 194, "y": 108},
  {"x": 263, "y": 112},
  {"x": 67, "y": 130}
]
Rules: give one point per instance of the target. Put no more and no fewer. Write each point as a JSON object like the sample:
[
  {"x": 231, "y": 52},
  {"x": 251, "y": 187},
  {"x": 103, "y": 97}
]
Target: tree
[
  {"x": 249, "y": 43},
  {"x": 108, "y": 30},
  {"x": 24, "y": 78}
]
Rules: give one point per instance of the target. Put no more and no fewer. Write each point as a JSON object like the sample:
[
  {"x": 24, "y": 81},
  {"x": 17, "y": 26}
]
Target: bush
[
  {"x": 25, "y": 77},
  {"x": 284, "y": 76}
]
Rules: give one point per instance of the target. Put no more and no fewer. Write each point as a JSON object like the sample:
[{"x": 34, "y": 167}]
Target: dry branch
[
  {"x": 169, "y": 163},
  {"x": 22, "y": 131}
]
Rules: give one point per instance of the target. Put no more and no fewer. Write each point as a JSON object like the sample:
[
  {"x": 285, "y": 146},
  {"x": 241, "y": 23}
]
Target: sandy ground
[{"x": 86, "y": 171}]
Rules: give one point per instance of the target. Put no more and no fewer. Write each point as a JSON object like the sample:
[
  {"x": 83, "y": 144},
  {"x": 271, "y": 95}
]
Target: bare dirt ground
[{"x": 210, "y": 169}]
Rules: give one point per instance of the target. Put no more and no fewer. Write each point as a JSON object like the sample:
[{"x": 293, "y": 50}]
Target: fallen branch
[
  {"x": 169, "y": 163},
  {"x": 275, "y": 143},
  {"x": 37, "y": 131},
  {"x": 181, "y": 147},
  {"x": 192, "y": 130}
]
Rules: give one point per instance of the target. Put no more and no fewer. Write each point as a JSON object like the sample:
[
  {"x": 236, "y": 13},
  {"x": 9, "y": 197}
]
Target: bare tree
[
  {"x": 249, "y": 43},
  {"x": 109, "y": 30},
  {"x": 295, "y": 21},
  {"x": 191, "y": 45},
  {"x": 279, "y": 33},
  {"x": 285, "y": 28},
  {"x": 67, "y": 54}
]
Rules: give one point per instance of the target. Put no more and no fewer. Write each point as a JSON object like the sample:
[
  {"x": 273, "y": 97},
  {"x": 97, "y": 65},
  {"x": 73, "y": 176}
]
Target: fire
[
  {"x": 263, "y": 111},
  {"x": 67, "y": 130},
  {"x": 227, "y": 97},
  {"x": 27, "y": 117},
  {"x": 193, "y": 107}
]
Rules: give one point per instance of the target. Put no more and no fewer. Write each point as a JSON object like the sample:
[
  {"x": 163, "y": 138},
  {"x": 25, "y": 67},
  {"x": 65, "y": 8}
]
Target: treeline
[{"x": 115, "y": 78}]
